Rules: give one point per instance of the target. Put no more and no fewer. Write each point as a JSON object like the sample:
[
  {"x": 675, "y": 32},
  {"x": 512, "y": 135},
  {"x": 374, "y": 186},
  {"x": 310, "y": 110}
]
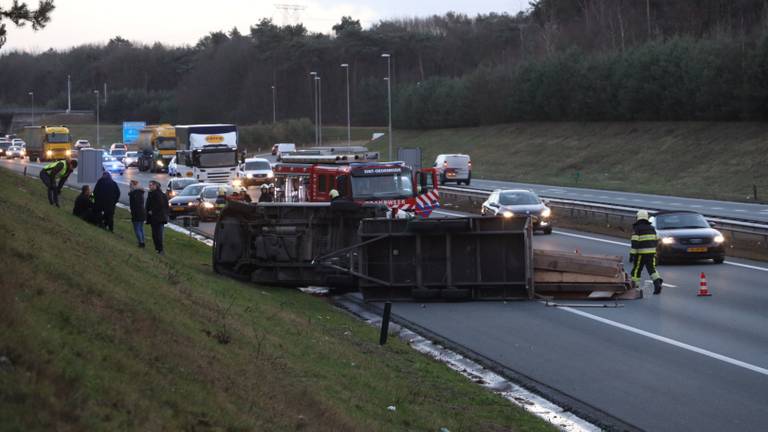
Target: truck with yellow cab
[
  {"x": 157, "y": 146},
  {"x": 48, "y": 142}
]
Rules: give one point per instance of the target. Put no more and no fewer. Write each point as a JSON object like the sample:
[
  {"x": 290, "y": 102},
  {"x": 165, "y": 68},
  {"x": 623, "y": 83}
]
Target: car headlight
[
  {"x": 249, "y": 175},
  {"x": 507, "y": 214},
  {"x": 237, "y": 183},
  {"x": 719, "y": 238},
  {"x": 191, "y": 204},
  {"x": 546, "y": 212},
  {"x": 667, "y": 240},
  {"x": 159, "y": 163},
  {"x": 270, "y": 174},
  {"x": 69, "y": 152},
  {"x": 207, "y": 205},
  {"x": 49, "y": 153}
]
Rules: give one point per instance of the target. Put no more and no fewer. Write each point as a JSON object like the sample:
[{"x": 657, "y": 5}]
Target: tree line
[{"x": 559, "y": 60}]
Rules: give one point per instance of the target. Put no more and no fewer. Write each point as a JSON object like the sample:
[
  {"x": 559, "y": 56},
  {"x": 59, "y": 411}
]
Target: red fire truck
[{"x": 311, "y": 178}]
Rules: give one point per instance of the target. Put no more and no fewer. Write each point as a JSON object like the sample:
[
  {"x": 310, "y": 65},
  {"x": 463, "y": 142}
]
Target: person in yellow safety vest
[
  {"x": 54, "y": 175},
  {"x": 221, "y": 199},
  {"x": 643, "y": 250}
]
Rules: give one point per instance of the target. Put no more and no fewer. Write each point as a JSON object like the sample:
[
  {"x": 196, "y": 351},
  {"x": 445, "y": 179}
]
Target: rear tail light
[
  {"x": 445, "y": 164},
  {"x": 469, "y": 164}
]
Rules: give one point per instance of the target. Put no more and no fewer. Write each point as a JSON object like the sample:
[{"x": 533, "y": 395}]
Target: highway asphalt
[
  {"x": 665, "y": 363},
  {"x": 668, "y": 363},
  {"x": 721, "y": 209}
]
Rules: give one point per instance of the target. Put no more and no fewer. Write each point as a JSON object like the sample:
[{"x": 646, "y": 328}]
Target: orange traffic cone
[{"x": 703, "y": 288}]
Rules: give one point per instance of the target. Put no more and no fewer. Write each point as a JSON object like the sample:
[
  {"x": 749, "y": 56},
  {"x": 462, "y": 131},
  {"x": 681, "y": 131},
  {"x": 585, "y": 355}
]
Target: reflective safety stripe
[
  {"x": 646, "y": 251},
  {"x": 633, "y": 251},
  {"x": 645, "y": 237}
]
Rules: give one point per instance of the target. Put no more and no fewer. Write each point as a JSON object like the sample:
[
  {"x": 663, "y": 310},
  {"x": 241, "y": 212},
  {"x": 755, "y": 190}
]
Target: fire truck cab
[{"x": 393, "y": 184}]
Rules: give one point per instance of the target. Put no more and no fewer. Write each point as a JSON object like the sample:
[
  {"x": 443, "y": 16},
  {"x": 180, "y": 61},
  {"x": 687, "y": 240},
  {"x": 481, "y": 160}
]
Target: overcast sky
[{"x": 178, "y": 22}]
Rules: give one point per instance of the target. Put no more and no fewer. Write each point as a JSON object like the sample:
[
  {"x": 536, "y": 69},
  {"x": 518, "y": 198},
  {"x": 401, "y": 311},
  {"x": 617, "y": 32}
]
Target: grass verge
[
  {"x": 717, "y": 160},
  {"x": 96, "y": 334}
]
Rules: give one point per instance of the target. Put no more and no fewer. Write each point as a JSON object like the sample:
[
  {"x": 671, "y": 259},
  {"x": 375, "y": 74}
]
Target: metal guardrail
[{"x": 732, "y": 225}]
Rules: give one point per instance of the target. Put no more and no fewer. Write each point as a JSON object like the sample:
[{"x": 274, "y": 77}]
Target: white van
[
  {"x": 280, "y": 148},
  {"x": 454, "y": 167},
  {"x": 255, "y": 171}
]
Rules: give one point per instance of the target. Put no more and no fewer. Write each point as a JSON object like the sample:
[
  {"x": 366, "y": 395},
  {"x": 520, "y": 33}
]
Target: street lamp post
[
  {"x": 319, "y": 111},
  {"x": 274, "y": 105},
  {"x": 98, "y": 137},
  {"x": 32, "y": 95},
  {"x": 349, "y": 122},
  {"x": 314, "y": 99},
  {"x": 389, "y": 98}
]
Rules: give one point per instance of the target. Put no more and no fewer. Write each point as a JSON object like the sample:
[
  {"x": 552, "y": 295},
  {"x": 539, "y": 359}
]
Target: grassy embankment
[
  {"x": 693, "y": 159},
  {"x": 96, "y": 334}
]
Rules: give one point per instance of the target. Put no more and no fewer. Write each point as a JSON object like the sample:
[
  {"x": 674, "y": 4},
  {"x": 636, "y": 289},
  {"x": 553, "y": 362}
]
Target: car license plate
[
  {"x": 697, "y": 249},
  {"x": 177, "y": 208}
]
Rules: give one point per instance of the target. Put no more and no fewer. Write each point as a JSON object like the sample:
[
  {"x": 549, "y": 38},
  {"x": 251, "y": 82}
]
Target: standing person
[
  {"x": 83, "y": 205},
  {"x": 157, "y": 214},
  {"x": 643, "y": 251},
  {"x": 244, "y": 195},
  {"x": 54, "y": 175},
  {"x": 265, "y": 196},
  {"x": 138, "y": 213},
  {"x": 107, "y": 194}
]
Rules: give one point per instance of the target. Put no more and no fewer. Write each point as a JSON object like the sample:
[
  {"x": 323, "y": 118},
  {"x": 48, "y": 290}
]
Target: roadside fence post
[{"x": 385, "y": 323}]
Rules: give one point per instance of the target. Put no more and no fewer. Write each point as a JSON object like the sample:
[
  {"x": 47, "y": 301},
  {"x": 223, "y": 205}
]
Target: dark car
[
  {"x": 176, "y": 185},
  {"x": 519, "y": 202},
  {"x": 186, "y": 201},
  {"x": 687, "y": 235}
]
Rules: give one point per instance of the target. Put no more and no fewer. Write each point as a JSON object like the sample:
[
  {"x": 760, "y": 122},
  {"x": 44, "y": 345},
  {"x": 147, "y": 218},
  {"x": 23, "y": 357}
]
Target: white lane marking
[
  {"x": 627, "y": 245},
  {"x": 669, "y": 341},
  {"x": 621, "y": 198},
  {"x": 740, "y": 210},
  {"x": 694, "y": 206},
  {"x": 717, "y": 208},
  {"x": 746, "y": 266},
  {"x": 592, "y": 238},
  {"x": 669, "y": 285},
  {"x": 654, "y": 202}
]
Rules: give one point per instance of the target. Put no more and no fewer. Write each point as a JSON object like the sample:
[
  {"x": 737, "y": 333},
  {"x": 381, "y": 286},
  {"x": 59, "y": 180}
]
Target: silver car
[
  {"x": 519, "y": 202},
  {"x": 14, "y": 152}
]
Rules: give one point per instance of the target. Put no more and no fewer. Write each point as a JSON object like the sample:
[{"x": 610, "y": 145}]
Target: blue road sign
[{"x": 131, "y": 131}]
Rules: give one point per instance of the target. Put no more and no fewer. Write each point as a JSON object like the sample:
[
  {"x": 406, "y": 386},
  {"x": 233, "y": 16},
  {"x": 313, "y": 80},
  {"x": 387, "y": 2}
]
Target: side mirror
[{"x": 712, "y": 224}]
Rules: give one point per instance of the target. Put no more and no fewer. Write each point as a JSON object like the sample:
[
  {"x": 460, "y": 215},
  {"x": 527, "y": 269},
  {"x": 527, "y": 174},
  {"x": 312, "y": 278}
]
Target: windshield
[
  {"x": 391, "y": 186},
  {"x": 181, "y": 184},
  {"x": 5, "y": 144},
  {"x": 57, "y": 138},
  {"x": 131, "y": 154},
  {"x": 518, "y": 198},
  {"x": 117, "y": 152},
  {"x": 681, "y": 220},
  {"x": 257, "y": 165},
  {"x": 217, "y": 159},
  {"x": 166, "y": 143},
  {"x": 192, "y": 190},
  {"x": 213, "y": 191},
  {"x": 108, "y": 158}
]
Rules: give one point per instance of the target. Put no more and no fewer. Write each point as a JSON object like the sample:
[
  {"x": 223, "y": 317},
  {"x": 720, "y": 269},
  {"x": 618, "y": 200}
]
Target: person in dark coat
[
  {"x": 157, "y": 214},
  {"x": 106, "y": 194},
  {"x": 265, "y": 196},
  {"x": 138, "y": 213},
  {"x": 83, "y": 205},
  {"x": 54, "y": 175}
]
